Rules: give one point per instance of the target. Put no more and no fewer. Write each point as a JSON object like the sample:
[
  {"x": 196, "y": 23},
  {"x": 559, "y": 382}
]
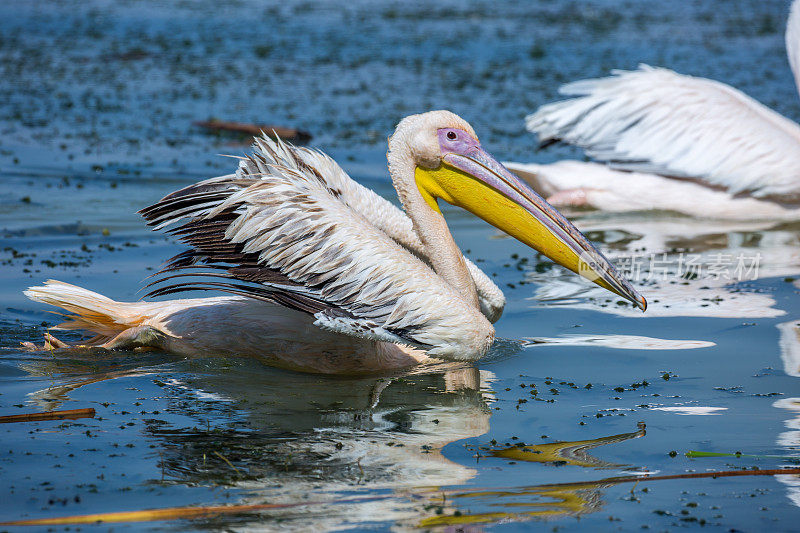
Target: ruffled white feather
[{"x": 655, "y": 120}]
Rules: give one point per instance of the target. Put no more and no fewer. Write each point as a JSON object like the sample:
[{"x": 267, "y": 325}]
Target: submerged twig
[
  {"x": 287, "y": 134},
  {"x": 361, "y": 470},
  {"x": 692, "y": 454},
  {"x": 68, "y": 414},
  {"x": 174, "y": 513},
  {"x": 642, "y": 478},
  {"x": 226, "y": 460}
]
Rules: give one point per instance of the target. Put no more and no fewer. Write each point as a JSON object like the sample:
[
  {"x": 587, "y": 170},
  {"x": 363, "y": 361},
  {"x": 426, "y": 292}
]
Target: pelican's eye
[{"x": 456, "y": 141}]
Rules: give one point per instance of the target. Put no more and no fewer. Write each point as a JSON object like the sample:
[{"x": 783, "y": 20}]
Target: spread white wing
[
  {"x": 282, "y": 233},
  {"x": 655, "y": 120},
  {"x": 380, "y": 212}
]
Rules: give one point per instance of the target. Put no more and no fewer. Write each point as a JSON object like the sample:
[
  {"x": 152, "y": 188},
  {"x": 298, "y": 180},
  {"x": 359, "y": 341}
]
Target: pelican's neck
[{"x": 437, "y": 243}]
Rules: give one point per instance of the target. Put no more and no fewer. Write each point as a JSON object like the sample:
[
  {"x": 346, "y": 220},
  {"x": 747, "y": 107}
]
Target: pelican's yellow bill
[{"x": 536, "y": 224}]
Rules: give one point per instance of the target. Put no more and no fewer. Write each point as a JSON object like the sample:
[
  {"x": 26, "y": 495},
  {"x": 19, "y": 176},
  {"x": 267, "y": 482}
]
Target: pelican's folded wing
[
  {"x": 655, "y": 120},
  {"x": 286, "y": 238}
]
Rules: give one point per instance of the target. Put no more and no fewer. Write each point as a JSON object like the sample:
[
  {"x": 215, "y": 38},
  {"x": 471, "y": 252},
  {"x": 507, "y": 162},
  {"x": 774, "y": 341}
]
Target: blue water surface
[{"x": 579, "y": 398}]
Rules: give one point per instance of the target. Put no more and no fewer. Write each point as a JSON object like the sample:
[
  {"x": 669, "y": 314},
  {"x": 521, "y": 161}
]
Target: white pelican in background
[
  {"x": 325, "y": 275},
  {"x": 742, "y": 159}
]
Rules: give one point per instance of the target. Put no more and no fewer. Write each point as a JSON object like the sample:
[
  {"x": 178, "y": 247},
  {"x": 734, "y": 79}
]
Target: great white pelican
[
  {"x": 737, "y": 158},
  {"x": 323, "y": 274}
]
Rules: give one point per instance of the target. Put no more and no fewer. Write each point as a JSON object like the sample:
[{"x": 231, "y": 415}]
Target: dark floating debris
[
  {"x": 69, "y": 414},
  {"x": 286, "y": 134}
]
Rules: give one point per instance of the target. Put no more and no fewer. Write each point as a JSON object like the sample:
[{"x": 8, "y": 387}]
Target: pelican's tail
[{"x": 114, "y": 324}]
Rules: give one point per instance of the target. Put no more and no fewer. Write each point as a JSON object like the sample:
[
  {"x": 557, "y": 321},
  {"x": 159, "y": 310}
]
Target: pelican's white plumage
[
  {"x": 569, "y": 183},
  {"x": 380, "y": 212},
  {"x": 305, "y": 237},
  {"x": 326, "y": 275},
  {"x": 654, "y": 120}
]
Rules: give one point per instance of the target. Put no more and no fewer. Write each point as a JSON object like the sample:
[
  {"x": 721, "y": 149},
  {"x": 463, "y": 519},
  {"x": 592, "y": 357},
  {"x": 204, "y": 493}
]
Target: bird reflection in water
[
  {"x": 283, "y": 437},
  {"x": 81, "y": 368},
  {"x": 790, "y": 439}
]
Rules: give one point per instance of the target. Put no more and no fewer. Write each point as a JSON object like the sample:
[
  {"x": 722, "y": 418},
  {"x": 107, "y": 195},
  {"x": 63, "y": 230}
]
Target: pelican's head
[{"x": 450, "y": 165}]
